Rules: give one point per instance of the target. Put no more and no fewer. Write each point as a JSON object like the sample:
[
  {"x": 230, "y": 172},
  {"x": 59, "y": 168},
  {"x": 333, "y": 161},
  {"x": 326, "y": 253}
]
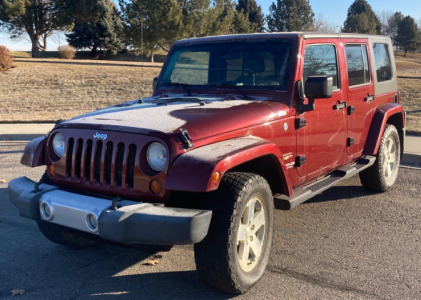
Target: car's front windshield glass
[{"x": 257, "y": 64}]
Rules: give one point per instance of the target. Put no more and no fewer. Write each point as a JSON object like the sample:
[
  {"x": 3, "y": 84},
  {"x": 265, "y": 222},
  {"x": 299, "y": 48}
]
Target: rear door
[{"x": 360, "y": 98}]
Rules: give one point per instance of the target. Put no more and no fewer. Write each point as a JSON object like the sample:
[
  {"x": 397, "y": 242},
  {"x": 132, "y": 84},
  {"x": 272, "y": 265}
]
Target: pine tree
[
  {"x": 408, "y": 35},
  {"x": 101, "y": 33},
  {"x": 362, "y": 19},
  {"x": 151, "y": 24},
  {"x": 290, "y": 15},
  {"x": 253, "y": 12}
]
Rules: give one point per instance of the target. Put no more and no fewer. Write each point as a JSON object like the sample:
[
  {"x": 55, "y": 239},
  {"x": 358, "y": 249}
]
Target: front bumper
[{"x": 130, "y": 223}]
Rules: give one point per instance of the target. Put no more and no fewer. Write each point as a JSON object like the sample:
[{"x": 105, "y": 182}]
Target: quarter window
[
  {"x": 321, "y": 60},
  {"x": 357, "y": 63},
  {"x": 383, "y": 65}
]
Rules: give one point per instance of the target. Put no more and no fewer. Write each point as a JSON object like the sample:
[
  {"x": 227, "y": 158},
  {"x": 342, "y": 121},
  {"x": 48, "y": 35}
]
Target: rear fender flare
[
  {"x": 378, "y": 125},
  {"x": 192, "y": 171}
]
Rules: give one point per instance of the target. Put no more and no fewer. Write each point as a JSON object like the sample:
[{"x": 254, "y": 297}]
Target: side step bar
[{"x": 304, "y": 193}]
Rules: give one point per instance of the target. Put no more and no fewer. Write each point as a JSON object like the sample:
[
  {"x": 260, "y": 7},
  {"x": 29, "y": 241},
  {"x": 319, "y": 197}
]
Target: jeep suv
[{"x": 236, "y": 127}]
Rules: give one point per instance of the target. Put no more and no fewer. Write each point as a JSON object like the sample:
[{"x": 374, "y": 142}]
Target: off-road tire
[
  {"x": 382, "y": 175},
  {"x": 68, "y": 237},
  {"x": 218, "y": 258}
]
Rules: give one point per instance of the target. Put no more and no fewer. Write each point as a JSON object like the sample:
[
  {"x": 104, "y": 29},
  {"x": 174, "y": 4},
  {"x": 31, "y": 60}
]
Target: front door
[{"x": 323, "y": 140}]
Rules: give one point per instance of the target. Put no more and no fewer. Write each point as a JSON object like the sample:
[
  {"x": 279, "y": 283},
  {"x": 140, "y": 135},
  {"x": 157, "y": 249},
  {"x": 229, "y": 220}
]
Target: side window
[
  {"x": 382, "y": 60},
  {"x": 321, "y": 60},
  {"x": 357, "y": 64}
]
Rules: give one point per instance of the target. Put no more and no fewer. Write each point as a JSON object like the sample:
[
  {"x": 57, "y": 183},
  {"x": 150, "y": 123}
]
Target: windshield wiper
[
  {"x": 227, "y": 85},
  {"x": 183, "y": 86}
]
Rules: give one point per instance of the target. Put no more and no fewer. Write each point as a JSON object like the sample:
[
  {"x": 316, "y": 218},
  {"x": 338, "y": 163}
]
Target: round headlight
[
  {"x": 157, "y": 156},
  {"x": 58, "y": 144}
]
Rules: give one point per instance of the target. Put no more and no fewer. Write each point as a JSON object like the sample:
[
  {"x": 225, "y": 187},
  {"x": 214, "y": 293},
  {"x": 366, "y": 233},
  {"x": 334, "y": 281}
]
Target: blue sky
[{"x": 334, "y": 12}]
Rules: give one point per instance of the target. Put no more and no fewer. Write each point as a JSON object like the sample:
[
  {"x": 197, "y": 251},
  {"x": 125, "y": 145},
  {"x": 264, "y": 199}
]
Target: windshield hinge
[{"x": 185, "y": 138}]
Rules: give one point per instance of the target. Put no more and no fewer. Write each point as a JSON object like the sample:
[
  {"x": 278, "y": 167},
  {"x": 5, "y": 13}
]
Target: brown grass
[{"x": 52, "y": 89}]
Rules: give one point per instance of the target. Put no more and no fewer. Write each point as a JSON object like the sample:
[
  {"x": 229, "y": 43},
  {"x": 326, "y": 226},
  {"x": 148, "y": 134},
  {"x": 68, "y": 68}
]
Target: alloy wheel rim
[
  {"x": 390, "y": 151},
  {"x": 251, "y": 234}
]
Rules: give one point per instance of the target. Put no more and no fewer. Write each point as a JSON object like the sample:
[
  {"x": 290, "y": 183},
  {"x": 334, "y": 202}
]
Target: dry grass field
[{"x": 51, "y": 89}]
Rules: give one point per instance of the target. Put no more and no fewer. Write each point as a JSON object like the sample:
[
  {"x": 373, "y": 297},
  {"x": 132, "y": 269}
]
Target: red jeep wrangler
[{"x": 237, "y": 125}]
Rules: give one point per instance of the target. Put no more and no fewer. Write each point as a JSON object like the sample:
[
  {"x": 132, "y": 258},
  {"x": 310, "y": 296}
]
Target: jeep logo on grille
[{"x": 102, "y": 136}]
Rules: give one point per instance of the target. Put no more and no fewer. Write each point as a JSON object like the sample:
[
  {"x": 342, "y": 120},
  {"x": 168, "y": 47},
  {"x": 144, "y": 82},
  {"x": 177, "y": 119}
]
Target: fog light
[
  {"x": 92, "y": 222},
  {"x": 46, "y": 210},
  {"x": 155, "y": 186}
]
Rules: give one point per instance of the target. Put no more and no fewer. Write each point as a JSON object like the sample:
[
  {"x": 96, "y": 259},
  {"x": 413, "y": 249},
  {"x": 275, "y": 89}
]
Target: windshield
[{"x": 264, "y": 64}]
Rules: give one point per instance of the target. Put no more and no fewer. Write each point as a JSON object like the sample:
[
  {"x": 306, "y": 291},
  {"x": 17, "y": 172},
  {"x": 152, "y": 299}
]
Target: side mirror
[
  {"x": 316, "y": 87},
  {"x": 154, "y": 83}
]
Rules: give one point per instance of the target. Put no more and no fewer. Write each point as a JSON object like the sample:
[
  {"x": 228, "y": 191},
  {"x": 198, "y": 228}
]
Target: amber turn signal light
[
  {"x": 155, "y": 186},
  {"x": 216, "y": 176},
  {"x": 52, "y": 170}
]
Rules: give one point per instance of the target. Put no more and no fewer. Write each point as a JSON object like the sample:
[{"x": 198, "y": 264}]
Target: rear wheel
[
  {"x": 382, "y": 175},
  {"x": 235, "y": 253}
]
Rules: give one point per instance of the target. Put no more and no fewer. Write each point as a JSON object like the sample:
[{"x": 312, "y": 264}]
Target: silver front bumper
[{"x": 131, "y": 223}]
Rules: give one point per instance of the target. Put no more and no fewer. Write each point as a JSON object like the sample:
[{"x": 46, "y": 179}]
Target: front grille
[{"x": 99, "y": 162}]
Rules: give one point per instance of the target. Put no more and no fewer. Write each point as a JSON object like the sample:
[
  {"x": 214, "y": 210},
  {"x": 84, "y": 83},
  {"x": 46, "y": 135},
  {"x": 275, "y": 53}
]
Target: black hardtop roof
[{"x": 277, "y": 35}]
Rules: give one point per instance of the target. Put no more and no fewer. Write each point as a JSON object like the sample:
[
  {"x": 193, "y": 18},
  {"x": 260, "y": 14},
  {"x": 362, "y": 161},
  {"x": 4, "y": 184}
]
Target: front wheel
[
  {"x": 235, "y": 253},
  {"x": 383, "y": 173}
]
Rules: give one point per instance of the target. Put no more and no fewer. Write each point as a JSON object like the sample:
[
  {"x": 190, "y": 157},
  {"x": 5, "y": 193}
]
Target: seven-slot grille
[{"x": 100, "y": 162}]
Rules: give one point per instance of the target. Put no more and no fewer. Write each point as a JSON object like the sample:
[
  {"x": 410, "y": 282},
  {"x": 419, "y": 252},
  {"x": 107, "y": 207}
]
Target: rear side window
[
  {"x": 357, "y": 63},
  {"x": 382, "y": 60},
  {"x": 321, "y": 60}
]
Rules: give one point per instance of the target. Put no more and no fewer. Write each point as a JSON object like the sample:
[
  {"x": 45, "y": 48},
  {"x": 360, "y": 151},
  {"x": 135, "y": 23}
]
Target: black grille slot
[
  {"x": 119, "y": 164},
  {"x": 78, "y": 158},
  {"x": 69, "y": 157},
  {"x": 130, "y": 165},
  {"x": 87, "y": 162},
  {"x": 108, "y": 162},
  {"x": 97, "y": 162}
]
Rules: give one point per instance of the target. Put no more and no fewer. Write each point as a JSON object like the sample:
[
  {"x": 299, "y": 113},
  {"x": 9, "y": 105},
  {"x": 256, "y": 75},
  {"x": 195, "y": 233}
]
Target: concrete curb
[{"x": 411, "y": 160}]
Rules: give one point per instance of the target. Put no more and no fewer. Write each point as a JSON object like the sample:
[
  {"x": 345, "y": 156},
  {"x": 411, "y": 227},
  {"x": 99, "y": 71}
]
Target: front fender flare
[
  {"x": 192, "y": 171},
  {"x": 378, "y": 124},
  {"x": 34, "y": 152}
]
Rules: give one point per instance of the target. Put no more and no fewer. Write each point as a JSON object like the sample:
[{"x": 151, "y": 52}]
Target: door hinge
[
  {"x": 300, "y": 160},
  {"x": 351, "y": 109},
  {"x": 185, "y": 138},
  {"x": 349, "y": 141},
  {"x": 300, "y": 123}
]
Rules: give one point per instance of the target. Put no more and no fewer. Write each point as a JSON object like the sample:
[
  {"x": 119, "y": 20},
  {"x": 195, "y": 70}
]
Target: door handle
[
  {"x": 370, "y": 98},
  {"x": 340, "y": 106}
]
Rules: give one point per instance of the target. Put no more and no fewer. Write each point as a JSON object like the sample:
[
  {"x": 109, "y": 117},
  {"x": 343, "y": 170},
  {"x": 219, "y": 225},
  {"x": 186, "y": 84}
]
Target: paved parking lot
[{"x": 344, "y": 244}]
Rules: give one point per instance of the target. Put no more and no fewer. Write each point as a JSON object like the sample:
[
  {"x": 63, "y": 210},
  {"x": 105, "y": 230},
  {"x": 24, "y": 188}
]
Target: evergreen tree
[
  {"x": 290, "y": 15},
  {"x": 100, "y": 30},
  {"x": 392, "y": 26},
  {"x": 362, "y": 19},
  {"x": 37, "y": 18},
  {"x": 253, "y": 12},
  {"x": 151, "y": 24},
  {"x": 408, "y": 35}
]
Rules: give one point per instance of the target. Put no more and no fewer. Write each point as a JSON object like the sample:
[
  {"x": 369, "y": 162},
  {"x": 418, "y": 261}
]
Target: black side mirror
[
  {"x": 316, "y": 87},
  {"x": 154, "y": 83}
]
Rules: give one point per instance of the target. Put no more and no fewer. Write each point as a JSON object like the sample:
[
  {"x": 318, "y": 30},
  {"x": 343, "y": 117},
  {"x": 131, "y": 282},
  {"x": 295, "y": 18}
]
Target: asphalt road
[{"x": 347, "y": 243}]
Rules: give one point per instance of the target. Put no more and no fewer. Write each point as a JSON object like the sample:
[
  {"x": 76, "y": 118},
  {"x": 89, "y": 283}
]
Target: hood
[{"x": 201, "y": 117}]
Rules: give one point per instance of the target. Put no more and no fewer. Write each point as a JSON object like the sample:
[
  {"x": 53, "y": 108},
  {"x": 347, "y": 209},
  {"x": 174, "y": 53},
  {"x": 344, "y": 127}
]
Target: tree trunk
[
  {"x": 152, "y": 58},
  {"x": 35, "y": 49}
]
